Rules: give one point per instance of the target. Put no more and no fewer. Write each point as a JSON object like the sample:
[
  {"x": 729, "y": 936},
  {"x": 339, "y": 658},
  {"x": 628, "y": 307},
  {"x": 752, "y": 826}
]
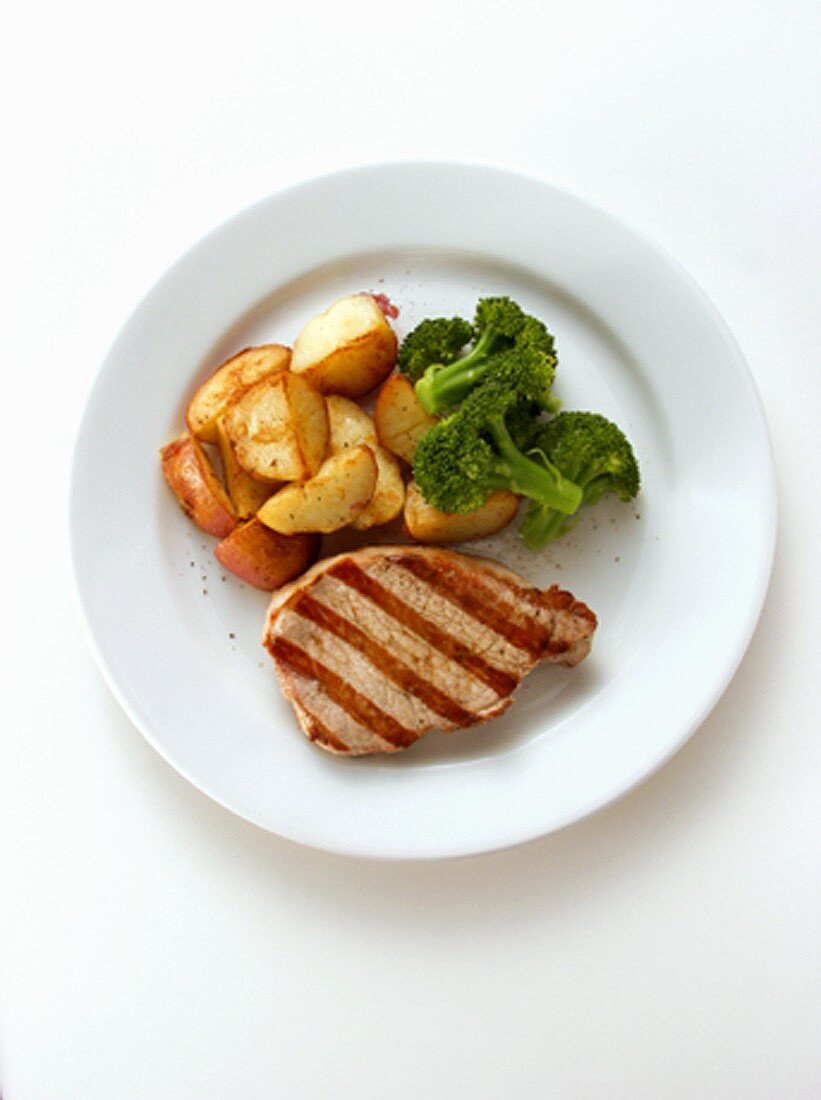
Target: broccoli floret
[
  {"x": 463, "y": 458},
  {"x": 523, "y": 422},
  {"x": 535, "y": 333},
  {"x": 437, "y": 340},
  {"x": 501, "y": 330},
  {"x": 528, "y": 372},
  {"x": 590, "y": 451}
]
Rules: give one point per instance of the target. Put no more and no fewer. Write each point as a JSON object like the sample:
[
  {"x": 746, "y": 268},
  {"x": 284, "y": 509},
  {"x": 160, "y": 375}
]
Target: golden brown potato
[
  {"x": 400, "y": 419},
  {"x": 348, "y": 349},
  {"x": 188, "y": 470},
  {"x": 264, "y": 558},
  {"x": 228, "y": 382},
  {"x": 388, "y": 496},
  {"x": 349, "y": 425},
  {"x": 329, "y": 501},
  {"x": 247, "y": 493},
  {"x": 425, "y": 523},
  {"x": 279, "y": 428}
]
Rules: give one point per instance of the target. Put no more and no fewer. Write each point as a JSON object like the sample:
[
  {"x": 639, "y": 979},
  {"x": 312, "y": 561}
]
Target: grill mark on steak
[
  {"x": 560, "y": 629},
  {"x": 400, "y": 674},
  {"x": 318, "y": 731},
  {"x": 354, "y": 667},
  {"x": 407, "y": 647},
  {"x": 352, "y": 575},
  {"x": 368, "y": 618},
  {"x": 479, "y": 600},
  {"x": 312, "y": 702},
  {"x": 360, "y": 707}
]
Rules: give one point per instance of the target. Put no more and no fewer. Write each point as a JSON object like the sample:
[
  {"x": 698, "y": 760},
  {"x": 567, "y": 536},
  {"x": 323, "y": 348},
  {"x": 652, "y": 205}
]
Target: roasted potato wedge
[
  {"x": 349, "y": 349},
  {"x": 327, "y": 502},
  {"x": 388, "y": 495},
  {"x": 399, "y": 418},
  {"x": 349, "y": 425},
  {"x": 264, "y": 558},
  {"x": 188, "y": 470},
  {"x": 228, "y": 382},
  {"x": 247, "y": 493},
  {"x": 279, "y": 428},
  {"x": 425, "y": 523}
]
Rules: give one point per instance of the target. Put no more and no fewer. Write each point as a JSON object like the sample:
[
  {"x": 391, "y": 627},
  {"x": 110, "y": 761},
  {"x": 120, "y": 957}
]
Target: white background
[{"x": 156, "y": 948}]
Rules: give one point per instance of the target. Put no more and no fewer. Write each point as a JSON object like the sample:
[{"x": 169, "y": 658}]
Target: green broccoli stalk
[
  {"x": 463, "y": 458},
  {"x": 429, "y": 356},
  {"x": 593, "y": 453}
]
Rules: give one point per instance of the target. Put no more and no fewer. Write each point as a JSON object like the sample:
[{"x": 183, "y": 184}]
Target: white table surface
[{"x": 156, "y": 948}]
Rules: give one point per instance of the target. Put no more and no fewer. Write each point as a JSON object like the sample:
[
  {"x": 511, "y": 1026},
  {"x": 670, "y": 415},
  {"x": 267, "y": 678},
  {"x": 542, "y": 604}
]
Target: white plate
[{"x": 677, "y": 581}]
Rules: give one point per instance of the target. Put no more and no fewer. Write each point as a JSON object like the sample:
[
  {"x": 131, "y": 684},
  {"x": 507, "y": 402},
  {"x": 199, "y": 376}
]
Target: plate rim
[{"x": 768, "y": 500}]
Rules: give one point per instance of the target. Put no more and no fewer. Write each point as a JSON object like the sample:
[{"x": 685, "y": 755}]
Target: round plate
[{"x": 677, "y": 579}]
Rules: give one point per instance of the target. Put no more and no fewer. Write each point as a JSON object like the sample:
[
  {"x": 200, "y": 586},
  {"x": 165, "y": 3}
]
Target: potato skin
[
  {"x": 424, "y": 523},
  {"x": 264, "y": 558},
  {"x": 226, "y": 384},
  {"x": 193, "y": 480}
]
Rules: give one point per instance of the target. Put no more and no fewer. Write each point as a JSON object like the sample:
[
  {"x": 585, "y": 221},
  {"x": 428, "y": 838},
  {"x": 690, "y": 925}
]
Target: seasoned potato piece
[
  {"x": 349, "y": 425},
  {"x": 227, "y": 383},
  {"x": 348, "y": 349},
  {"x": 264, "y": 558},
  {"x": 400, "y": 419},
  {"x": 388, "y": 496},
  {"x": 329, "y": 501},
  {"x": 247, "y": 493},
  {"x": 279, "y": 428},
  {"x": 425, "y": 523},
  {"x": 188, "y": 470}
]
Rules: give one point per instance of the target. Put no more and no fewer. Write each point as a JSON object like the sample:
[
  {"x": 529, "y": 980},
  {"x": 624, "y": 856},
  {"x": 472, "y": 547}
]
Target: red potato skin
[
  {"x": 264, "y": 558},
  {"x": 194, "y": 482},
  {"x": 386, "y": 305}
]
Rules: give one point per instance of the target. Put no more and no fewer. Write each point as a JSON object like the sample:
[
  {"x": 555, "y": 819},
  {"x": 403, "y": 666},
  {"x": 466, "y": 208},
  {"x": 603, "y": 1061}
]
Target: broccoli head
[
  {"x": 526, "y": 371},
  {"x": 590, "y": 451},
  {"x": 501, "y": 331},
  {"x": 463, "y": 458},
  {"x": 437, "y": 340}
]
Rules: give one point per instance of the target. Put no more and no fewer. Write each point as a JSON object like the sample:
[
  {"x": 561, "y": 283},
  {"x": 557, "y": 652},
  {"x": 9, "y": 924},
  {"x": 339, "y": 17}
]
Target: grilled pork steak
[{"x": 377, "y": 646}]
